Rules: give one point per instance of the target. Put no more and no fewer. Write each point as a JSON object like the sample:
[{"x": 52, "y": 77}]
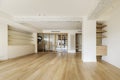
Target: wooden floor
[{"x": 56, "y": 67}]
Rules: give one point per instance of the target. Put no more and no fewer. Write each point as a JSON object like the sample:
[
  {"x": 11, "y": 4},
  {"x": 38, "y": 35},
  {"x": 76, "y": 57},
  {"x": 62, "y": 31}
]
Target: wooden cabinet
[{"x": 101, "y": 50}]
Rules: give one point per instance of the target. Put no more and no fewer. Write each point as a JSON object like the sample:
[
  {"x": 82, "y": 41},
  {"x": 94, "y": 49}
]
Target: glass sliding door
[
  {"x": 58, "y": 42},
  {"x": 65, "y": 42},
  {"x": 46, "y": 42},
  {"x": 40, "y": 42},
  {"x": 52, "y": 42},
  {"x": 62, "y": 42}
]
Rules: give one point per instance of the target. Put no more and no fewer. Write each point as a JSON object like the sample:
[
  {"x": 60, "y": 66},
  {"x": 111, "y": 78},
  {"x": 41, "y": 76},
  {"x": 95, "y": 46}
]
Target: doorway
[
  {"x": 78, "y": 38},
  {"x": 53, "y": 42}
]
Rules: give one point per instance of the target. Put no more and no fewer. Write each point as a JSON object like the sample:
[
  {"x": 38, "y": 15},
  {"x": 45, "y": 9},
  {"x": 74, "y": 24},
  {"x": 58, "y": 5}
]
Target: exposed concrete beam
[
  {"x": 104, "y": 8},
  {"x": 46, "y": 18},
  {"x": 5, "y": 15}
]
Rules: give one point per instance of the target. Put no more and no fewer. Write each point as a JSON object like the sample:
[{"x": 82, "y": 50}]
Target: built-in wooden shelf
[
  {"x": 101, "y": 26},
  {"x": 101, "y": 31},
  {"x": 101, "y": 36},
  {"x": 101, "y": 50}
]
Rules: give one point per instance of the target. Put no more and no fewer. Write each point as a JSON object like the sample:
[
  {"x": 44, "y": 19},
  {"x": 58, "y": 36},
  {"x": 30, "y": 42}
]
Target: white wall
[
  {"x": 89, "y": 40},
  {"x": 113, "y": 38},
  {"x": 13, "y": 51},
  {"x": 3, "y": 41},
  {"x": 71, "y": 38},
  {"x": 20, "y": 50}
]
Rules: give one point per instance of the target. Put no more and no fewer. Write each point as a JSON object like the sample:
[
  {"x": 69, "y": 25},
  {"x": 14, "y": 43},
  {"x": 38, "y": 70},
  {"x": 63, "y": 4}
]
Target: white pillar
[
  {"x": 3, "y": 41},
  {"x": 35, "y": 42},
  {"x": 71, "y": 43},
  {"x": 89, "y": 40}
]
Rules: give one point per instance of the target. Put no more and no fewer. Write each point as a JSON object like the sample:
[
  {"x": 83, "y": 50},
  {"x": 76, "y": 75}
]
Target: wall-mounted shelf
[
  {"x": 101, "y": 26},
  {"x": 101, "y": 50},
  {"x": 102, "y": 36},
  {"x": 101, "y": 31}
]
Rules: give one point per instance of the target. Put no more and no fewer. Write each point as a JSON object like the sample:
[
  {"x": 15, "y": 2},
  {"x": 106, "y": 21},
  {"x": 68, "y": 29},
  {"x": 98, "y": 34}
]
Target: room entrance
[
  {"x": 53, "y": 42},
  {"x": 78, "y": 42}
]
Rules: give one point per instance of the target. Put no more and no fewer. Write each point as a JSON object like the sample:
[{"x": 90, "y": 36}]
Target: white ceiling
[
  {"x": 28, "y": 10},
  {"x": 61, "y": 14},
  {"x": 56, "y": 25},
  {"x": 48, "y": 7}
]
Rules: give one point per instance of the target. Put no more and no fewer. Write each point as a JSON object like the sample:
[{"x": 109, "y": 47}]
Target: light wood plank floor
[{"x": 56, "y": 67}]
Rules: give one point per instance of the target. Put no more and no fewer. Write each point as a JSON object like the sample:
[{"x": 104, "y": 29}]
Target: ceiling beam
[
  {"x": 45, "y": 18},
  {"x": 101, "y": 8}
]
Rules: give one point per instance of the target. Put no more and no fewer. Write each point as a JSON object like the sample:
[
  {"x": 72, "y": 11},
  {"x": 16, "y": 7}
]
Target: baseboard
[
  {"x": 89, "y": 60},
  {"x": 111, "y": 63}
]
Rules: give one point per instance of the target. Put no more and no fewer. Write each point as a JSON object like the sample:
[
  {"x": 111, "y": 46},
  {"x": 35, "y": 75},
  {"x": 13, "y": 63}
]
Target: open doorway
[{"x": 78, "y": 38}]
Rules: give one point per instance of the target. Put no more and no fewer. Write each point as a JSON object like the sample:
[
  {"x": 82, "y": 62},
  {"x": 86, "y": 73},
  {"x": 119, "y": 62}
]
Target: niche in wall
[
  {"x": 19, "y": 37},
  {"x": 20, "y": 42}
]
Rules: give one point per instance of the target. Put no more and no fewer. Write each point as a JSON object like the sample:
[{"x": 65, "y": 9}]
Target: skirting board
[{"x": 88, "y": 60}]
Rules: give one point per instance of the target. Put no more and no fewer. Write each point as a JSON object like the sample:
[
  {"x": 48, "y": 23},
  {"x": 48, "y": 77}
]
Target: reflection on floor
[{"x": 52, "y": 66}]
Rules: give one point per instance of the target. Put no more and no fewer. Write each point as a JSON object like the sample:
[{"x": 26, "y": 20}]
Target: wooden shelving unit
[
  {"x": 101, "y": 50},
  {"x": 99, "y": 33}
]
